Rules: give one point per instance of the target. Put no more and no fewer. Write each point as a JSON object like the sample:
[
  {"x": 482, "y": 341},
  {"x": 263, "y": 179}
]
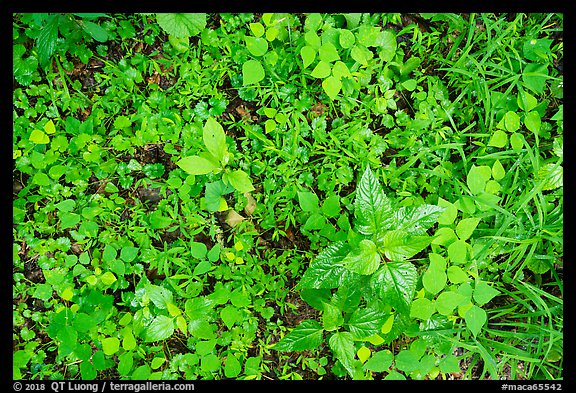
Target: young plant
[
  {"x": 372, "y": 272},
  {"x": 215, "y": 160}
]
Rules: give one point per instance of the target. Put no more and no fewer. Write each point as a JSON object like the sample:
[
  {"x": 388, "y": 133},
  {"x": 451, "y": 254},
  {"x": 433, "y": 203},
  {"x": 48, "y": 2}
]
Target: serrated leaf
[
  {"x": 307, "y": 335},
  {"x": 372, "y": 208},
  {"x": 416, "y": 219},
  {"x": 342, "y": 344},
  {"x": 399, "y": 245},
  {"x": 553, "y": 176},
  {"x": 159, "y": 329},
  {"x": 396, "y": 282},
  {"x": 326, "y": 270},
  {"x": 365, "y": 322},
  {"x": 363, "y": 259}
]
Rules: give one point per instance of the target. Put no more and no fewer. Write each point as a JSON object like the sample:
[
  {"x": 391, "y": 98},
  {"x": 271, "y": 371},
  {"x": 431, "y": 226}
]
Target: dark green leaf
[{"x": 307, "y": 335}]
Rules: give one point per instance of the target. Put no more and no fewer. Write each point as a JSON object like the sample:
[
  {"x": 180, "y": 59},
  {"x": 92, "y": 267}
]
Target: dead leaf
[
  {"x": 233, "y": 218},
  {"x": 250, "y": 205}
]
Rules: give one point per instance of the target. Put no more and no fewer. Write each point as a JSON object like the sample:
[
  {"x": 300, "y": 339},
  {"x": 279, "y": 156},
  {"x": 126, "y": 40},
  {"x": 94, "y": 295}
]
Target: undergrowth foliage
[{"x": 287, "y": 196}]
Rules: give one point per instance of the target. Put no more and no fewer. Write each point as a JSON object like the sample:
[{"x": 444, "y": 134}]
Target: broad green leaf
[
  {"x": 511, "y": 121},
  {"x": 331, "y": 206},
  {"x": 449, "y": 364},
  {"x": 39, "y": 137},
  {"x": 210, "y": 363},
  {"x": 407, "y": 361},
  {"x": 326, "y": 270},
  {"x": 232, "y": 367},
  {"x": 308, "y": 55},
  {"x": 396, "y": 283},
  {"x": 158, "y": 220},
  {"x": 161, "y": 328},
  {"x": 47, "y": 40},
  {"x": 466, "y": 227},
  {"x": 315, "y": 222},
  {"x": 332, "y": 86},
  {"x": 399, "y": 245},
  {"x": 257, "y": 29},
  {"x": 230, "y": 315},
  {"x": 68, "y": 220},
  {"x": 526, "y": 101},
  {"x": 49, "y": 127},
  {"x": 534, "y": 77},
  {"x": 498, "y": 171},
  {"x": 346, "y": 38},
  {"x": 96, "y": 31},
  {"x": 483, "y": 292},
  {"x": 88, "y": 371},
  {"x": 380, "y": 361},
  {"x": 182, "y": 25},
  {"x": 365, "y": 322},
  {"x": 363, "y": 354},
  {"x": 477, "y": 178},
  {"x": 498, "y": 139},
  {"x": 372, "y": 208},
  {"x": 458, "y": 252},
  {"x": 361, "y": 54},
  {"x": 108, "y": 278},
  {"x": 340, "y": 70},
  {"x": 517, "y": 141},
  {"x": 252, "y": 72},
  {"x": 258, "y": 46},
  {"x": 449, "y": 214},
  {"x": 332, "y": 317},
  {"x": 307, "y": 335},
  {"x": 322, "y": 70},
  {"x": 532, "y": 121},
  {"x": 141, "y": 373},
  {"x": 434, "y": 279},
  {"x": 447, "y": 301},
  {"x": 308, "y": 201},
  {"x": 160, "y": 296},
  {"x": 342, "y": 344},
  {"x": 475, "y": 319},
  {"x": 416, "y": 219},
  {"x": 196, "y": 165},
  {"x": 312, "y": 39},
  {"x": 422, "y": 308},
  {"x": 328, "y": 53},
  {"x": 110, "y": 345},
  {"x": 363, "y": 259},
  {"x": 129, "y": 253},
  {"x": 66, "y": 205},
  {"x": 456, "y": 275},
  {"x": 215, "y": 139},
  {"x": 387, "y": 45},
  {"x": 240, "y": 181}
]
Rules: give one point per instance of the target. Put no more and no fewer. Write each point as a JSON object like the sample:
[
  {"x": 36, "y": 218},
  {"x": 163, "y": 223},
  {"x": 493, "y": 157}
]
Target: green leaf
[
  {"x": 365, "y": 322},
  {"x": 257, "y": 46},
  {"x": 322, "y": 70},
  {"x": 372, "y": 208},
  {"x": 498, "y": 171},
  {"x": 361, "y": 54},
  {"x": 380, "y": 361},
  {"x": 159, "y": 329},
  {"x": 526, "y": 101},
  {"x": 141, "y": 373},
  {"x": 332, "y": 317},
  {"x": 483, "y": 292},
  {"x": 466, "y": 227},
  {"x": 307, "y": 335},
  {"x": 458, "y": 252},
  {"x": 232, "y": 368},
  {"x": 110, "y": 345},
  {"x": 87, "y": 370},
  {"x": 47, "y": 40},
  {"x": 364, "y": 259},
  {"x": 328, "y": 53},
  {"x": 129, "y": 253},
  {"x": 434, "y": 278},
  {"x": 308, "y": 201},
  {"x": 332, "y": 86},
  {"x": 534, "y": 77},
  {"x": 422, "y": 308},
  {"x": 308, "y": 55},
  {"x": 346, "y": 38},
  {"x": 215, "y": 139},
  {"x": 475, "y": 319},
  {"x": 396, "y": 283},
  {"x": 68, "y": 220},
  {"x": 96, "y": 31},
  {"x": 182, "y": 25},
  {"x": 108, "y": 278},
  {"x": 160, "y": 296},
  {"x": 39, "y": 137},
  {"x": 331, "y": 206},
  {"x": 196, "y": 165},
  {"x": 407, "y": 361},
  {"x": 532, "y": 121},
  {"x": 315, "y": 222},
  {"x": 340, "y": 70},
  {"x": 240, "y": 181},
  {"x": 257, "y": 29},
  {"x": 416, "y": 219},
  {"x": 399, "y": 245},
  {"x": 517, "y": 141},
  {"x": 511, "y": 121},
  {"x": 326, "y": 270},
  {"x": 159, "y": 221},
  {"x": 342, "y": 344},
  {"x": 552, "y": 175},
  {"x": 477, "y": 178},
  {"x": 387, "y": 45},
  {"x": 456, "y": 275},
  {"x": 252, "y": 72},
  {"x": 498, "y": 139},
  {"x": 447, "y": 301},
  {"x": 449, "y": 364}
]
